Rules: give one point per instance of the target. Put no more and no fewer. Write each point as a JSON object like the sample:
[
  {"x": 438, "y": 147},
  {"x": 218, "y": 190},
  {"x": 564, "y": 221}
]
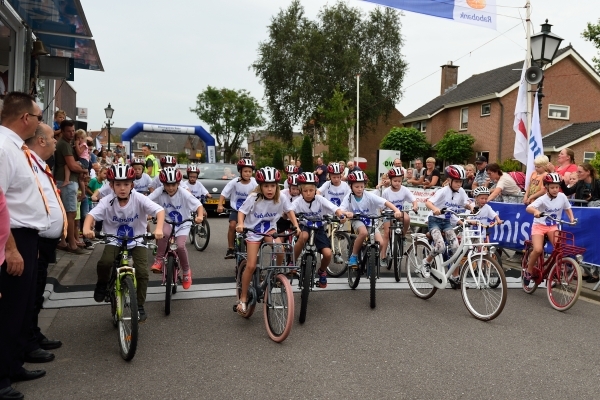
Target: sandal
[{"x": 242, "y": 308}]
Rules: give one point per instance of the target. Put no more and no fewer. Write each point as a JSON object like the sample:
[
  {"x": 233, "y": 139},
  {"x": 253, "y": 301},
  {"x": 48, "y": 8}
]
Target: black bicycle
[
  {"x": 239, "y": 244},
  {"x": 121, "y": 293},
  {"x": 200, "y": 233}
]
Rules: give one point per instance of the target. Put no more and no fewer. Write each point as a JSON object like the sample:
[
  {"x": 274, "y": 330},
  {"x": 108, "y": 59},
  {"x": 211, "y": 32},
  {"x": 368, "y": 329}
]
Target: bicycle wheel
[
  {"x": 113, "y": 307},
  {"x": 354, "y": 274},
  {"x": 529, "y": 289},
  {"x": 307, "y": 274},
  {"x": 415, "y": 254},
  {"x": 372, "y": 268},
  {"x": 341, "y": 245},
  {"x": 202, "y": 235},
  {"x": 483, "y": 301},
  {"x": 251, "y": 302},
  {"x": 564, "y": 284},
  {"x": 397, "y": 257},
  {"x": 279, "y": 308},
  {"x": 127, "y": 310},
  {"x": 170, "y": 266}
]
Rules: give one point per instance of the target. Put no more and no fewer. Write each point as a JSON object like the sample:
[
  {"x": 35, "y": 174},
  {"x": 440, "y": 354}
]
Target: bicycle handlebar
[
  {"x": 463, "y": 216},
  {"x": 272, "y": 235},
  {"x": 560, "y": 221},
  {"x": 104, "y": 235}
]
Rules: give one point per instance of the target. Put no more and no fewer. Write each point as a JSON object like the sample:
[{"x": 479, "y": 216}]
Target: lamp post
[
  {"x": 109, "y": 113},
  {"x": 544, "y": 46}
]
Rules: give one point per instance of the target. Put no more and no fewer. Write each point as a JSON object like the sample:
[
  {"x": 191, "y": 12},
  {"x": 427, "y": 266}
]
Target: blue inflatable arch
[{"x": 139, "y": 127}]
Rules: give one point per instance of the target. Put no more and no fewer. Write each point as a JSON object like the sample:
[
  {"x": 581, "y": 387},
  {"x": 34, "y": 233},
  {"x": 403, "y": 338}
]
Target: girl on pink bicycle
[{"x": 552, "y": 203}]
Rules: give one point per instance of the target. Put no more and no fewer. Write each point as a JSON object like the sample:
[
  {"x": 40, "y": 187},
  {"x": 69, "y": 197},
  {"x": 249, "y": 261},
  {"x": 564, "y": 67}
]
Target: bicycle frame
[
  {"x": 370, "y": 242},
  {"x": 171, "y": 249}
]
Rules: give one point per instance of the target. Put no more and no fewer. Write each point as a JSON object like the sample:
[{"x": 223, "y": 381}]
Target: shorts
[
  {"x": 233, "y": 216},
  {"x": 284, "y": 225},
  {"x": 68, "y": 195},
  {"x": 252, "y": 237},
  {"x": 356, "y": 225},
  {"x": 442, "y": 224},
  {"x": 539, "y": 229},
  {"x": 85, "y": 164},
  {"x": 321, "y": 239}
]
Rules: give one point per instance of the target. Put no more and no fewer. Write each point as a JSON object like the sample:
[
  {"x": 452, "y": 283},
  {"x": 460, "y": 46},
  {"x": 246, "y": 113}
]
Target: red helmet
[
  {"x": 396, "y": 172},
  {"x": 138, "y": 161},
  {"x": 291, "y": 169},
  {"x": 334, "y": 168},
  {"x": 168, "y": 160},
  {"x": 552, "y": 177},
  {"x": 267, "y": 175},
  {"x": 120, "y": 172},
  {"x": 357, "y": 176},
  {"x": 193, "y": 168},
  {"x": 292, "y": 180},
  {"x": 307, "y": 178},
  {"x": 456, "y": 172},
  {"x": 245, "y": 162},
  {"x": 170, "y": 175}
]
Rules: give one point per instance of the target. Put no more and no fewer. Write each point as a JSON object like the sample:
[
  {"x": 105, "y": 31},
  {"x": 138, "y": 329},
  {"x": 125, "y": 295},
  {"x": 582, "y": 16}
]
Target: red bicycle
[{"x": 561, "y": 269}]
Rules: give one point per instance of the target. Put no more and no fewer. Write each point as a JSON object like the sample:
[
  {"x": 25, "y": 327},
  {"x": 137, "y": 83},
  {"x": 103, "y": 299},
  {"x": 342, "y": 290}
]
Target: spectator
[
  {"x": 566, "y": 164},
  {"x": 64, "y": 156},
  {"x": 4, "y": 227},
  {"x": 431, "y": 176},
  {"x": 587, "y": 187},
  {"x": 299, "y": 165},
  {"x": 536, "y": 186},
  {"x": 344, "y": 168},
  {"x": 407, "y": 177},
  {"x": 383, "y": 184},
  {"x": 418, "y": 173},
  {"x": 398, "y": 163},
  {"x": 468, "y": 183},
  {"x": 227, "y": 174},
  {"x": 321, "y": 172},
  {"x": 505, "y": 186},
  {"x": 59, "y": 117},
  {"x": 481, "y": 177},
  {"x": 28, "y": 215}
]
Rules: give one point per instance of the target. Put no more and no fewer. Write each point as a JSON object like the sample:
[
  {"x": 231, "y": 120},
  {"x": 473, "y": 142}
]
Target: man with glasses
[{"x": 398, "y": 164}]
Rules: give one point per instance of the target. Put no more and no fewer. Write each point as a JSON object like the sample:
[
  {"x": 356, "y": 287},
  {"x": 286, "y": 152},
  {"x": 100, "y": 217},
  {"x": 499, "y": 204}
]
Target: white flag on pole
[
  {"x": 520, "y": 125},
  {"x": 535, "y": 147}
]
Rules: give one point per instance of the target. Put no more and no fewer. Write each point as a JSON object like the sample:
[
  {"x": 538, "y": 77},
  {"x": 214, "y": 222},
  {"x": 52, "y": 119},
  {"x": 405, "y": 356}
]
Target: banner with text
[{"x": 385, "y": 161}]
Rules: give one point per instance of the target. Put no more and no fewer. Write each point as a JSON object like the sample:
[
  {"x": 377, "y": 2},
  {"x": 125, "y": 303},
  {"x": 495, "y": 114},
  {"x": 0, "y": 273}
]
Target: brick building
[{"x": 484, "y": 104}]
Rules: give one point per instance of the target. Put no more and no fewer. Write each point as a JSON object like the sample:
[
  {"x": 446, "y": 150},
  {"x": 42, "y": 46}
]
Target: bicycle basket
[
  {"x": 565, "y": 242},
  {"x": 473, "y": 234}
]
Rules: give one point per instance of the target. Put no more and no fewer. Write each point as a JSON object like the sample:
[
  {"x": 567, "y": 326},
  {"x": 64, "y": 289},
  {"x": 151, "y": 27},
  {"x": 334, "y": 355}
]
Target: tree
[
  {"x": 411, "y": 143},
  {"x": 229, "y": 114},
  {"x": 182, "y": 158},
  {"x": 263, "y": 154},
  {"x": 303, "y": 61},
  {"x": 337, "y": 120},
  {"x": 277, "y": 161},
  {"x": 306, "y": 155},
  {"x": 596, "y": 163},
  {"x": 455, "y": 147},
  {"x": 592, "y": 34}
]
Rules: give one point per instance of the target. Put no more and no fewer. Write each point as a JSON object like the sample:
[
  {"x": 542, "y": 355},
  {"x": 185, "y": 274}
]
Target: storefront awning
[{"x": 62, "y": 27}]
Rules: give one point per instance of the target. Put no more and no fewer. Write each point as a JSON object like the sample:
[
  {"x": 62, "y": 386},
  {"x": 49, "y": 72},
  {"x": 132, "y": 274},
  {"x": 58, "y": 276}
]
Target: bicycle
[
  {"x": 171, "y": 273},
  {"x": 272, "y": 288},
  {"x": 561, "y": 272},
  {"x": 368, "y": 256},
  {"x": 121, "y": 293},
  {"x": 308, "y": 260},
  {"x": 200, "y": 233},
  {"x": 340, "y": 249},
  {"x": 239, "y": 244},
  {"x": 482, "y": 281},
  {"x": 395, "y": 248}
]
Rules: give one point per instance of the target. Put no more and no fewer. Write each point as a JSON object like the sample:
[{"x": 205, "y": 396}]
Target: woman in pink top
[
  {"x": 4, "y": 225},
  {"x": 566, "y": 164}
]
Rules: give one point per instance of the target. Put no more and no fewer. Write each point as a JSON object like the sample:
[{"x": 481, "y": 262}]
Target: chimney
[{"x": 449, "y": 77}]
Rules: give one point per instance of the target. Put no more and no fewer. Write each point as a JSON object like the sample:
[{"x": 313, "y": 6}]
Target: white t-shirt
[
  {"x": 446, "y": 198},
  {"x": 262, "y": 215},
  {"x": 486, "y": 215},
  {"x": 398, "y": 198},
  {"x": 142, "y": 185},
  {"x": 177, "y": 207},
  {"x": 335, "y": 194},
  {"x": 156, "y": 183},
  {"x": 288, "y": 195},
  {"x": 553, "y": 207},
  {"x": 129, "y": 219},
  {"x": 197, "y": 189},
  {"x": 317, "y": 208},
  {"x": 56, "y": 216},
  {"x": 237, "y": 192},
  {"x": 369, "y": 204},
  {"x": 106, "y": 191}
]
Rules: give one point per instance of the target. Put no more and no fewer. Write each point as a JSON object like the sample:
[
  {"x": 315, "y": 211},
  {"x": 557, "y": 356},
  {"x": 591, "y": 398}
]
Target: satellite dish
[{"x": 534, "y": 75}]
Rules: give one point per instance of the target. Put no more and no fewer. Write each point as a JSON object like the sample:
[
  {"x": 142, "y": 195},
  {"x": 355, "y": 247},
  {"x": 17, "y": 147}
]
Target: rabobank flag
[{"x": 473, "y": 12}]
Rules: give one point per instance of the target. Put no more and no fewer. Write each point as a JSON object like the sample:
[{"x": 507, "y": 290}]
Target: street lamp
[
  {"x": 109, "y": 113},
  {"x": 544, "y": 46}
]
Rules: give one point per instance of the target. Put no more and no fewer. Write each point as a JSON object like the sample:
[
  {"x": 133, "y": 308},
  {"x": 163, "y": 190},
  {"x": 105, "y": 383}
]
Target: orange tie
[
  {"x": 28, "y": 155},
  {"x": 62, "y": 208}
]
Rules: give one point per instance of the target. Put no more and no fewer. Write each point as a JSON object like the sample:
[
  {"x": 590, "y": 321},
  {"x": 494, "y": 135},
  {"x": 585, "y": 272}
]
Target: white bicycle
[{"x": 482, "y": 281}]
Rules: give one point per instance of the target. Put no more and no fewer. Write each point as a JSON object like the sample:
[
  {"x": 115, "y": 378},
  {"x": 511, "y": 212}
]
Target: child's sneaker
[
  {"x": 157, "y": 267},
  {"x": 526, "y": 278},
  {"x": 186, "y": 282},
  {"x": 230, "y": 254},
  {"x": 425, "y": 269},
  {"x": 322, "y": 282},
  {"x": 353, "y": 261},
  {"x": 384, "y": 263}
]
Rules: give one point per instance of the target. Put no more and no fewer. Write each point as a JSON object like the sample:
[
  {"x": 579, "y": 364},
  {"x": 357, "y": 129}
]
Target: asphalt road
[{"x": 405, "y": 348}]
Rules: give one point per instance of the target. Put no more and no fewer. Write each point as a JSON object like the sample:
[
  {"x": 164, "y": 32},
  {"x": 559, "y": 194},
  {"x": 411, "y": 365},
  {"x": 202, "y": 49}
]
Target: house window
[
  {"x": 423, "y": 126},
  {"x": 153, "y": 146},
  {"x": 558, "y": 112},
  {"x": 486, "y": 154},
  {"x": 464, "y": 118},
  {"x": 417, "y": 125},
  {"x": 588, "y": 156},
  {"x": 486, "y": 109}
]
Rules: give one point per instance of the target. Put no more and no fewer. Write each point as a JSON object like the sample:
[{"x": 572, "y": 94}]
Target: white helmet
[
  {"x": 479, "y": 190},
  {"x": 267, "y": 175},
  {"x": 334, "y": 168},
  {"x": 307, "y": 178},
  {"x": 170, "y": 175}
]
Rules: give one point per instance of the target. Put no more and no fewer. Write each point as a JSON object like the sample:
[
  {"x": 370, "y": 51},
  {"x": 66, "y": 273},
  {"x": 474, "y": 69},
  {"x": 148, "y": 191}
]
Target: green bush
[
  {"x": 596, "y": 163},
  {"x": 372, "y": 174},
  {"x": 306, "y": 154},
  {"x": 510, "y": 165}
]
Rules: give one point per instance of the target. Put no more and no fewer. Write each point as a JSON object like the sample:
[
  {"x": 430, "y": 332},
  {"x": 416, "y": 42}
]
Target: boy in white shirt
[
  {"x": 290, "y": 170},
  {"x": 179, "y": 204},
  {"x": 237, "y": 190},
  {"x": 452, "y": 197},
  {"x": 334, "y": 189},
  {"x": 483, "y": 212},
  {"x": 397, "y": 195},
  {"x": 361, "y": 202},
  {"x": 165, "y": 161},
  {"x": 314, "y": 205},
  {"x": 124, "y": 214},
  {"x": 291, "y": 193},
  {"x": 194, "y": 186},
  {"x": 142, "y": 180}
]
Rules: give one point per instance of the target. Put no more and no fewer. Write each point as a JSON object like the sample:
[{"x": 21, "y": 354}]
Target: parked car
[{"x": 214, "y": 177}]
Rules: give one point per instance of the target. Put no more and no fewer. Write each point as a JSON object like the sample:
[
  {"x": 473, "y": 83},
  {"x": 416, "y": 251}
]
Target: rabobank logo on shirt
[
  {"x": 175, "y": 216},
  {"x": 125, "y": 230},
  {"x": 239, "y": 203},
  {"x": 473, "y": 12},
  {"x": 263, "y": 227},
  {"x": 550, "y": 222},
  {"x": 335, "y": 200}
]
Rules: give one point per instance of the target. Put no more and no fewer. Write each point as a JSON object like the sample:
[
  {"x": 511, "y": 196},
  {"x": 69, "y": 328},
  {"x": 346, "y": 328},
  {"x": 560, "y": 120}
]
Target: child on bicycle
[
  {"x": 142, "y": 180},
  {"x": 334, "y": 189},
  {"x": 397, "y": 195},
  {"x": 290, "y": 170},
  {"x": 361, "y": 202},
  {"x": 454, "y": 198},
  {"x": 179, "y": 204},
  {"x": 260, "y": 212},
  {"x": 196, "y": 187},
  {"x": 124, "y": 213},
  {"x": 482, "y": 211},
  {"x": 291, "y": 193},
  {"x": 237, "y": 190},
  {"x": 165, "y": 161},
  {"x": 552, "y": 203},
  {"x": 313, "y": 205}
]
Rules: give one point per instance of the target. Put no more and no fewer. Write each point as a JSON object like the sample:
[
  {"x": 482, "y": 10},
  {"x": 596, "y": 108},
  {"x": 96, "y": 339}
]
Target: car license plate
[{"x": 211, "y": 201}]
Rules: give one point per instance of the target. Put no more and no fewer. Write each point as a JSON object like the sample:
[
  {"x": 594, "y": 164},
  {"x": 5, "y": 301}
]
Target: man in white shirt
[{"x": 28, "y": 215}]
